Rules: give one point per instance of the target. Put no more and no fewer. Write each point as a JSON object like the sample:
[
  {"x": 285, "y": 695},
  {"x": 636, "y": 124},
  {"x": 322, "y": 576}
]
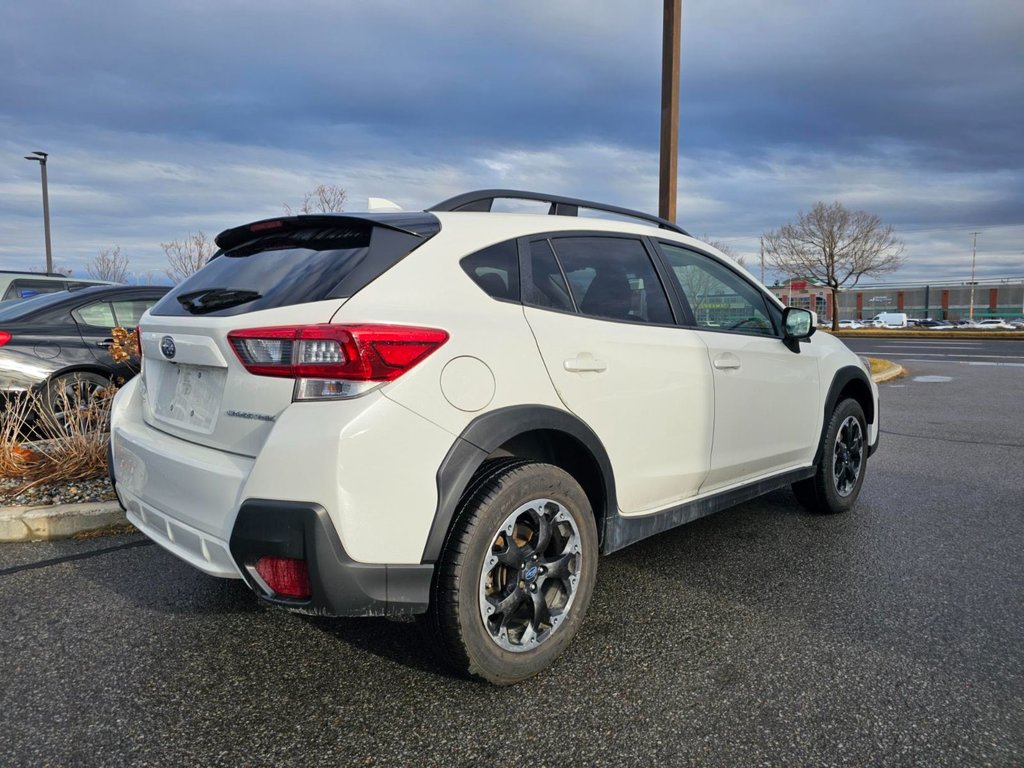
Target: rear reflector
[
  {"x": 321, "y": 356},
  {"x": 4, "y": 337},
  {"x": 287, "y": 576}
]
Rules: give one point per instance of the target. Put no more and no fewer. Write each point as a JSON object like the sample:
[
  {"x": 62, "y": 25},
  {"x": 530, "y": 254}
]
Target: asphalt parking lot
[{"x": 761, "y": 636}]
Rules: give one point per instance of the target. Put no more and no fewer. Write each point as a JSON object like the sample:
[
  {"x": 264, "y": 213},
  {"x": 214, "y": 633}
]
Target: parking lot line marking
[
  {"x": 967, "y": 362},
  {"x": 72, "y": 557}
]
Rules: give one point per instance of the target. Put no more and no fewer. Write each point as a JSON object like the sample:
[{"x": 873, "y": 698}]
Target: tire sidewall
[
  {"x": 834, "y": 501},
  {"x": 486, "y": 657}
]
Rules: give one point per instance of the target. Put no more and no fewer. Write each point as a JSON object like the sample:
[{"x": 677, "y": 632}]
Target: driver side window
[{"x": 720, "y": 299}]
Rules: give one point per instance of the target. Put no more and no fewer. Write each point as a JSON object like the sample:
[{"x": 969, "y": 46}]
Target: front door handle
[
  {"x": 727, "y": 363},
  {"x": 585, "y": 363}
]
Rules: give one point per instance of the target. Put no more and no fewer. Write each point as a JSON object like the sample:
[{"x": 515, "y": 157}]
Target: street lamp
[{"x": 40, "y": 157}]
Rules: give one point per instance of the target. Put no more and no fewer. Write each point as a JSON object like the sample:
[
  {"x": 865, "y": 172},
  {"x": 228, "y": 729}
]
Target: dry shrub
[
  {"x": 16, "y": 460},
  {"x": 71, "y": 442}
]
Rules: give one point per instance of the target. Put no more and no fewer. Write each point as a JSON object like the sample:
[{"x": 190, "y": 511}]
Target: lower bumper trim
[{"x": 340, "y": 586}]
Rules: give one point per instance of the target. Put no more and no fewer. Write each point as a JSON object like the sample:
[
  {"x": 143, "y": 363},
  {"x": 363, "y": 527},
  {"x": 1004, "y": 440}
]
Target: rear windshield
[{"x": 296, "y": 268}]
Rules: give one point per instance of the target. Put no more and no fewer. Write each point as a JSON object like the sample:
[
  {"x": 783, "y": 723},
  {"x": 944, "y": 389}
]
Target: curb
[
  {"x": 61, "y": 521},
  {"x": 894, "y": 371}
]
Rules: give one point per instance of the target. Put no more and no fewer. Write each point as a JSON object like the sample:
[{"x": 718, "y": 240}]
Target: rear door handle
[
  {"x": 585, "y": 363},
  {"x": 106, "y": 343},
  {"x": 726, "y": 363}
]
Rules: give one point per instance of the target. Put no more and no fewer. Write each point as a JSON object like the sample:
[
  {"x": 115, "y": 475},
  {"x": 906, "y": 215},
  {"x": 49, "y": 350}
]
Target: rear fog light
[{"x": 287, "y": 576}]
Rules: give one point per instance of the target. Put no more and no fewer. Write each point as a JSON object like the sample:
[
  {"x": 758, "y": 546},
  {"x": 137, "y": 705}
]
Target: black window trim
[
  {"x": 677, "y": 310},
  {"x": 692, "y": 321}
]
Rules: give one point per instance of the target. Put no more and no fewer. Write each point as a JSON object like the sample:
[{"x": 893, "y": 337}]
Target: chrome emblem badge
[{"x": 167, "y": 347}]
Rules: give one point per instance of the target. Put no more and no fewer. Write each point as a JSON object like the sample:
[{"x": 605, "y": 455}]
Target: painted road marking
[
  {"x": 933, "y": 379},
  {"x": 967, "y": 362}
]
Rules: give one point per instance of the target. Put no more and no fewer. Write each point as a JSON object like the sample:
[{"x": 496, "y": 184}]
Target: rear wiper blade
[{"x": 210, "y": 299}]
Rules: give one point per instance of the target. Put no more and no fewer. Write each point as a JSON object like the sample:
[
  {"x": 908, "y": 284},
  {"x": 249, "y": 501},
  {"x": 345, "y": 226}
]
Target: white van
[{"x": 890, "y": 320}]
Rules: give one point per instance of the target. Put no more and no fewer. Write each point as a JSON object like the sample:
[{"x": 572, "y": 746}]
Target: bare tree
[
  {"x": 58, "y": 269},
  {"x": 835, "y": 247},
  {"x": 189, "y": 256},
  {"x": 325, "y": 198},
  {"x": 109, "y": 264},
  {"x": 727, "y": 250}
]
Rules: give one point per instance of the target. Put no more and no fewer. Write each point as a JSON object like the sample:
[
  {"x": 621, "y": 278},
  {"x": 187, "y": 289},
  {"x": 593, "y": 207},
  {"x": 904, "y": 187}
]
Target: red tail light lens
[
  {"x": 4, "y": 337},
  {"x": 287, "y": 576},
  {"x": 359, "y": 353}
]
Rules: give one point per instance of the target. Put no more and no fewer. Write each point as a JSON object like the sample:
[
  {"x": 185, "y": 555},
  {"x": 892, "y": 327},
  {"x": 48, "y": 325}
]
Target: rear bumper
[
  {"x": 339, "y": 586},
  {"x": 206, "y": 507}
]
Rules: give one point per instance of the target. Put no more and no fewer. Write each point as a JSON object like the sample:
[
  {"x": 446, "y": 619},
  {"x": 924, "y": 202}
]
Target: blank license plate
[{"x": 190, "y": 395}]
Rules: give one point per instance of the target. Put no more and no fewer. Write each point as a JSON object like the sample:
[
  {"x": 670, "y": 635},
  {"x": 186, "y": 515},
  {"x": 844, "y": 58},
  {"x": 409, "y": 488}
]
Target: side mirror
[{"x": 797, "y": 323}]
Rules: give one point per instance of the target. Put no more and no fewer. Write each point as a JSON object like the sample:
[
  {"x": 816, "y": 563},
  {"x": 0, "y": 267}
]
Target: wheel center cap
[{"x": 530, "y": 573}]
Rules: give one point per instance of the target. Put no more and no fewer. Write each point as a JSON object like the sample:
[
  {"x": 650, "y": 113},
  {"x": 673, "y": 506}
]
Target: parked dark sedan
[{"x": 62, "y": 341}]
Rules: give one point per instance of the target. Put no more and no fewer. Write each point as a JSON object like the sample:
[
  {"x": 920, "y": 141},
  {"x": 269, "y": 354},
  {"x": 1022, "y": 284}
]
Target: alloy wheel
[
  {"x": 529, "y": 576},
  {"x": 848, "y": 456}
]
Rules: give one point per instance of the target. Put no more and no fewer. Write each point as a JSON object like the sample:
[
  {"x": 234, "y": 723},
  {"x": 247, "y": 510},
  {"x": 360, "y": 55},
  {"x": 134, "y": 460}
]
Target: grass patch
[{"x": 878, "y": 365}]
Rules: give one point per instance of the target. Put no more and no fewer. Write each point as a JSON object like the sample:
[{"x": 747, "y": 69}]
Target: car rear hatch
[{"x": 294, "y": 271}]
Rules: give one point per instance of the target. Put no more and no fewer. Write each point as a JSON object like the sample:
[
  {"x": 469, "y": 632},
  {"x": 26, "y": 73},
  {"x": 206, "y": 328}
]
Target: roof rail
[{"x": 483, "y": 199}]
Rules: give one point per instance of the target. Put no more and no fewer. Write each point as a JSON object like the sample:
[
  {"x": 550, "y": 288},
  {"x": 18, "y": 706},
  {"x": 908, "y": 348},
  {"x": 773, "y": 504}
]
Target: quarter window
[
  {"x": 719, "y": 298},
  {"x": 129, "y": 312},
  {"x": 496, "y": 270},
  {"x": 613, "y": 278}
]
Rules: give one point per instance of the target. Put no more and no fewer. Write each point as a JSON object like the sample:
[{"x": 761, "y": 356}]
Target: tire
[
  {"x": 505, "y": 605},
  {"x": 844, "y": 455},
  {"x": 69, "y": 396}
]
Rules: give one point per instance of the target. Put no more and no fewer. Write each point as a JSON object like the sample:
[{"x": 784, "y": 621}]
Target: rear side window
[
  {"x": 547, "y": 286},
  {"x": 613, "y": 278},
  {"x": 295, "y": 268},
  {"x": 496, "y": 270},
  {"x": 99, "y": 314}
]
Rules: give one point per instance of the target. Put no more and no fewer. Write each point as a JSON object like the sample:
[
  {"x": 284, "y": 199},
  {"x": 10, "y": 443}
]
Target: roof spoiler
[{"x": 418, "y": 224}]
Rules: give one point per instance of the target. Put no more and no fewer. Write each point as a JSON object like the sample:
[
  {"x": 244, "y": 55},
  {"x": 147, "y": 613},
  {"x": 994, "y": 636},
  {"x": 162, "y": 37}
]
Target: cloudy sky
[{"x": 171, "y": 116}]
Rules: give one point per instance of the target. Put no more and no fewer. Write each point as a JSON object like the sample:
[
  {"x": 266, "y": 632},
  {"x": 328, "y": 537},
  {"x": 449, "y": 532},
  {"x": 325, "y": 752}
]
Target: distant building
[{"x": 939, "y": 299}]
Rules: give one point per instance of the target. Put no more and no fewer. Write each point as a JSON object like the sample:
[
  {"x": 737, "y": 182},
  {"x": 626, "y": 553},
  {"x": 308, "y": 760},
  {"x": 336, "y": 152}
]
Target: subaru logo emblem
[
  {"x": 531, "y": 573},
  {"x": 167, "y": 347}
]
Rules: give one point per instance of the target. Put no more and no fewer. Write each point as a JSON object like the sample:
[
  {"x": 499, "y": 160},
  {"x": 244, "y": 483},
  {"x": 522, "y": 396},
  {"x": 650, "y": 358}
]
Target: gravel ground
[{"x": 77, "y": 492}]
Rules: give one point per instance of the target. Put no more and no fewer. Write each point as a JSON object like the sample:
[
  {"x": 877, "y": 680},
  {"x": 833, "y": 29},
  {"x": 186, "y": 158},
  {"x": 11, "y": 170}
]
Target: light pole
[
  {"x": 974, "y": 258},
  {"x": 40, "y": 157}
]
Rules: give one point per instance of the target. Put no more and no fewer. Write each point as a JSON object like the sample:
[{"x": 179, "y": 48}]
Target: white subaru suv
[{"x": 452, "y": 412}]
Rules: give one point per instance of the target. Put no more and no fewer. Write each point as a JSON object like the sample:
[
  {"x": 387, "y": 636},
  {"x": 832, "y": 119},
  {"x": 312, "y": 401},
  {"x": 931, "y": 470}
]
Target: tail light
[
  {"x": 4, "y": 337},
  {"x": 334, "y": 361},
  {"x": 286, "y": 576}
]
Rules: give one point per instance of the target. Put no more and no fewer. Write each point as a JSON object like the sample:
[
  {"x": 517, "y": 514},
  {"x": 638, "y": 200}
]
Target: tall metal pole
[
  {"x": 669, "y": 110},
  {"x": 40, "y": 157},
  {"x": 974, "y": 259},
  {"x": 762, "y": 260}
]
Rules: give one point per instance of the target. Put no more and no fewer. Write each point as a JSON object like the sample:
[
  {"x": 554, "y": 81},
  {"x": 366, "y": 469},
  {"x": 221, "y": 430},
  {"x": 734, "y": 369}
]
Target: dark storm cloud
[{"x": 167, "y": 116}]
